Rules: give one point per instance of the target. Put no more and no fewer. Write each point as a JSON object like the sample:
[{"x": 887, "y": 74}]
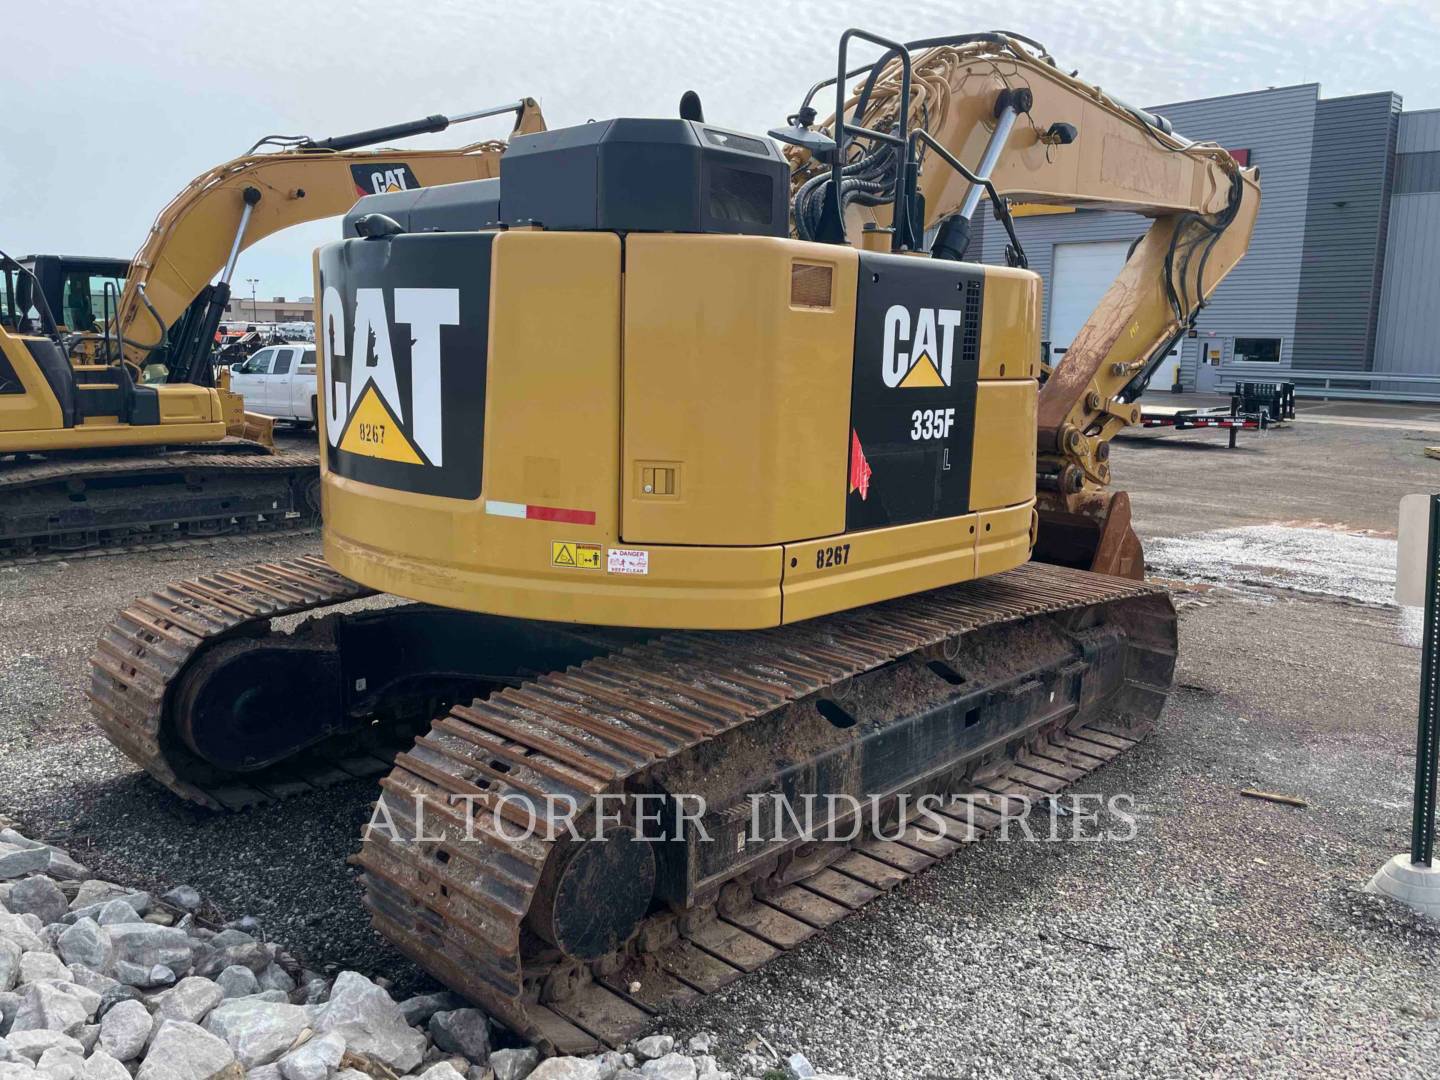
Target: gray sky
[{"x": 120, "y": 104}]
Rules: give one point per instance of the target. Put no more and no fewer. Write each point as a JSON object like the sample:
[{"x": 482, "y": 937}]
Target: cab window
[
  {"x": 8, "y": 318},
  {"x": 283, "y": 359},
  {"x": 259, "y": 364},
  {"x": 82, "y": 303},
  {"x": 9, "y": 380}
]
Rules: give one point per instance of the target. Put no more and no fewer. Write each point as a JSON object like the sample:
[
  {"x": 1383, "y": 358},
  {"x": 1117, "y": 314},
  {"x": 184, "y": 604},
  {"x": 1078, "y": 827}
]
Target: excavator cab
[{"x": 75, "y": 286}]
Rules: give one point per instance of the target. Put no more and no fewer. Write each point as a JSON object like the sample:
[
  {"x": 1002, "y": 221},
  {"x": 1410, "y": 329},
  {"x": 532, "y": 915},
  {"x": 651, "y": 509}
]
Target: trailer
[{"x": 1253, "y": 407}]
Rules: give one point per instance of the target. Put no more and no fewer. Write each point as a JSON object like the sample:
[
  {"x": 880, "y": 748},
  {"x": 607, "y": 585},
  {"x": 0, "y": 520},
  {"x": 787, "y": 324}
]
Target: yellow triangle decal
[
  {"x": 923, "y": 373},
  {"x": 373, "y": 432}
]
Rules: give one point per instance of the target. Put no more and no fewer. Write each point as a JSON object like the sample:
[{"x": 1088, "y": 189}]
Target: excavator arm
[
  {"x": 990, "y": 116},
  {"x": 203, "y": 229}
]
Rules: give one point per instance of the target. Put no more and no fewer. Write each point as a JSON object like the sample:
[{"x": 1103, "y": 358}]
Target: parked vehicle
[{"x": 279, "y": 381}]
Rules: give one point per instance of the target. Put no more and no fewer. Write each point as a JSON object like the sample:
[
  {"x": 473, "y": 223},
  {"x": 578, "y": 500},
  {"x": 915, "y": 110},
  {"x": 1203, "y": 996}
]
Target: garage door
[{"x": 1079, "y": 278}]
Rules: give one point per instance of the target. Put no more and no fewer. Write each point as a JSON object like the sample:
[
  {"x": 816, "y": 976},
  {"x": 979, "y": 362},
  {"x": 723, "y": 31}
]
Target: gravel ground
[
  {"x": 1227, "y": 938},
  {"x": 65, "y": 783}
]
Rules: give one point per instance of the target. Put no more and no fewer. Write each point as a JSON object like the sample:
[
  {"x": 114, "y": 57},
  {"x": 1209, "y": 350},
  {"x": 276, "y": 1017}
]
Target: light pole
[{"x": 254, "y": 307}]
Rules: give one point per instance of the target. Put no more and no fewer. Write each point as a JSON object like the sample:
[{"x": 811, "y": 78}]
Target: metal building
[{"x": 1345, "y": 261}]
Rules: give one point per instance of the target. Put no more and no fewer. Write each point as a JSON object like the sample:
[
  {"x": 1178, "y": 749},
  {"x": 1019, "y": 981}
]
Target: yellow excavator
[
  {"x": 718, "y": 477},
  {"x": 92, "y": 453}
]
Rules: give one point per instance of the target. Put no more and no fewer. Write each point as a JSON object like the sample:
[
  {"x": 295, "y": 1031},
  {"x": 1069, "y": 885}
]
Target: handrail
[{"x": 844, "y": 130}]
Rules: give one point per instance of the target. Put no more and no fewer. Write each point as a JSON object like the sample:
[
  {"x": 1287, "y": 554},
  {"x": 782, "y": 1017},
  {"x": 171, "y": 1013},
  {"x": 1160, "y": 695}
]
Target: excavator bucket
[{"x": 1097, "y": 537}]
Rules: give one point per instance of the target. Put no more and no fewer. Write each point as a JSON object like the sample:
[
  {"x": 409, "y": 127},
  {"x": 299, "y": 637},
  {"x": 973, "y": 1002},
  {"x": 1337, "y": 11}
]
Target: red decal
[
  {"x": 555, "y": 513},
  {"x": 859, "y": 467}
]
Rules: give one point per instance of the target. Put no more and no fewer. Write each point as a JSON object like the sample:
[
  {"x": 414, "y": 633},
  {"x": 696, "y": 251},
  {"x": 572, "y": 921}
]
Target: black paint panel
[
  {"x": 456, "y": 261},
  {"x": 912, "y": 480}
]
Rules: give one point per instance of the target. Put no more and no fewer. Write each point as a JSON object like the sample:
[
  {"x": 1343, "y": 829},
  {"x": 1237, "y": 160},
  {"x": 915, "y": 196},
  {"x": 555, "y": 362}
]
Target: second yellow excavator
[
  {"x": 718, "y": 483},
  {"x": 92, "y": 454}
]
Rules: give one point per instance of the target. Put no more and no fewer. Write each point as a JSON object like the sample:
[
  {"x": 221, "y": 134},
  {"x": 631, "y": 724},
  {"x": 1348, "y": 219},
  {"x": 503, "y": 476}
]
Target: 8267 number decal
[{"x": 836, "y": 555}]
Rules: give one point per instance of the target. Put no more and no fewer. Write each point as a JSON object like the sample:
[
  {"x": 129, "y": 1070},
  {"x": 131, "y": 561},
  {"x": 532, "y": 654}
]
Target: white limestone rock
[
  {"x": 147, "y": 945},
  {"x": 258, "y": 1032},
  {"x": 38, "y": 896},
  {"x": 16, "y": 862},
  {"x": 31, "y": 1044},
  {"x": 237, "y": 981},
  {"x": 38, "y": 966},
  {"x": 371, "y": 1023},
  {"x": 190, "y": 1000},
  {"x": 565, "y": 1068},
  {"x": 514, "y": 1064},
  {"x": 88, "y": 944},
  {"x": 184, "y": 1051},
  {"x": 654, "y": 1046},
  {"x": 9, "y": 964},
  {"x": 315, "y": 1059},
  {"x": 125, "y": 1029},
  {"x": 95, "y": 891},
  {"x": 116, "y": 913},
  {"x": 442, "y": 1071},
  {"x": 59, "y": 1063},
  {"x": 45, "y": 1007},
  {"x": 101, "y": 1066}
]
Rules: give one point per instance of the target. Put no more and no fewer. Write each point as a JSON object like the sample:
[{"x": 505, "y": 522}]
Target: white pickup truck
[{"x": 278, "y": 381}]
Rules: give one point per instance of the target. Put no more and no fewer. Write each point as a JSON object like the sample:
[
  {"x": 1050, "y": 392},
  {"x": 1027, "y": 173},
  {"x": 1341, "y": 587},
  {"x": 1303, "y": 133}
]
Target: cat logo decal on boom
[{"x": 378, "y": 179}]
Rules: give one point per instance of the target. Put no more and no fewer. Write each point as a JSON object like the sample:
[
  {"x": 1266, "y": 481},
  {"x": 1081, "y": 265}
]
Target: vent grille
[
  {"x": 970, "y": 343},
  {"x": 811, "y": 285}
]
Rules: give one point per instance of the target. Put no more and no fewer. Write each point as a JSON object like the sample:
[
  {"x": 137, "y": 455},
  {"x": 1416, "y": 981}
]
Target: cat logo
[
  {"x": 367, "y": 415},
  {"x": 380, "y": 178},
  {"x": 919, "y": 349}
]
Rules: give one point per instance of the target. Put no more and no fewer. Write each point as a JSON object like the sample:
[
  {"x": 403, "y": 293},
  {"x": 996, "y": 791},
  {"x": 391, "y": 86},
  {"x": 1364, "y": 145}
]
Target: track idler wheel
[
  {"x": 247, "y": 704},
  {"x": 594, "y": 893}
]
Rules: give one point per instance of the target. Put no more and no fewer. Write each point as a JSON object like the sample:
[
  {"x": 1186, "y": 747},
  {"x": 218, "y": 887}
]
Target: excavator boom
[{"x": 202, "y": 231}]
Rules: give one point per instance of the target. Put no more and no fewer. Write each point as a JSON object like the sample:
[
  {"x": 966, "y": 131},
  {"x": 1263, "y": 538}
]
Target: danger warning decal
[
  {"x": 912, "y": 405},
  {"x": 403, "y": 338},
  {"x": 378, "y": 179}
]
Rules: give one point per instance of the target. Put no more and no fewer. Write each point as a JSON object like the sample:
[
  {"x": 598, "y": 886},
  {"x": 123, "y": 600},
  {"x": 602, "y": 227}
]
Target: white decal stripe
[{"x": 504, "y": 509}]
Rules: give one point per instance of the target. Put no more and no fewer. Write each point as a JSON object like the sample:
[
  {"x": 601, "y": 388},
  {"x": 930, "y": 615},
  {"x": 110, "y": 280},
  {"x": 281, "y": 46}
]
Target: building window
[{"x": 1257, "y": 350}]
